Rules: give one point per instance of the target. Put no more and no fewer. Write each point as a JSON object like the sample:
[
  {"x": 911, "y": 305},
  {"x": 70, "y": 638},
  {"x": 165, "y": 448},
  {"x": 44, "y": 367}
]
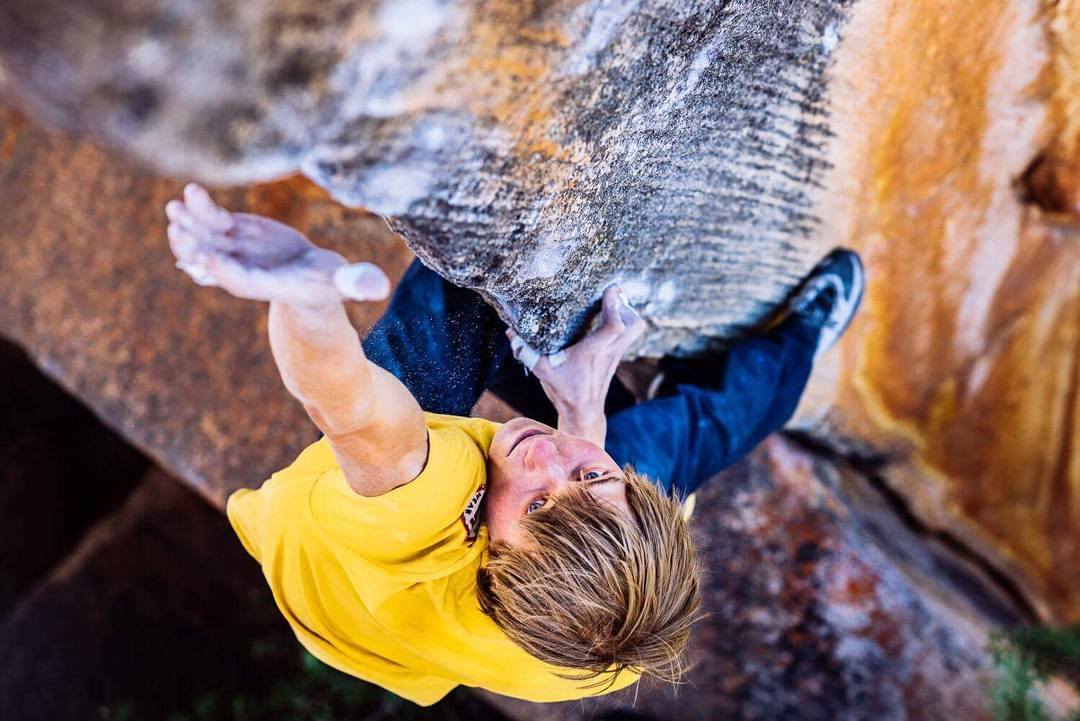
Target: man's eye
[
  {"x": 592, "y": 475},
  {"x": 536, "y": 505}
]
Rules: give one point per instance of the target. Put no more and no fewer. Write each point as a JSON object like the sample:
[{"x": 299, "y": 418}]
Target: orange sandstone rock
[{"x": 962, "y": 371}]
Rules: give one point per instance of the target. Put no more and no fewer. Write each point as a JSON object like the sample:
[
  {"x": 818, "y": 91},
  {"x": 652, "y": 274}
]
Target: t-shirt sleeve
[
  {"x": 259, "y": 516},
  {"x": 416, "y": 531},
  {"x": 420, "y": 529}
]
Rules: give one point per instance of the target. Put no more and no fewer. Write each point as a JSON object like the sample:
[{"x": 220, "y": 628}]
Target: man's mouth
[{"x": 528, "y": 433}]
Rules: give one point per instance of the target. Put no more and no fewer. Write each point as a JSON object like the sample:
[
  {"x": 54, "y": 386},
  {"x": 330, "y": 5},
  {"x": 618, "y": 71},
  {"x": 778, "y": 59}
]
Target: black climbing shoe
[{"x": 829, "y": 296}]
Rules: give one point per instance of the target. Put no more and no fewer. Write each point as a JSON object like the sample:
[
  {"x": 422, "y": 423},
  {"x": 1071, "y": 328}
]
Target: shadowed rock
[
  {"x": 135, "y": 616},
  {"x": 48, "y": 499}
]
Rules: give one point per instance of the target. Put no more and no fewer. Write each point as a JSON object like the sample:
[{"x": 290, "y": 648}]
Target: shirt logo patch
[{"x": 471, "y": 516}]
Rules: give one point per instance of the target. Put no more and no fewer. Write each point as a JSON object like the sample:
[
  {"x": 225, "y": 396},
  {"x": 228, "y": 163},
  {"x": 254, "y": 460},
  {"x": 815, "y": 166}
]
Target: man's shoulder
[
  {"x": 257, "y": 515},
  {"x": 479, "y": 430}
]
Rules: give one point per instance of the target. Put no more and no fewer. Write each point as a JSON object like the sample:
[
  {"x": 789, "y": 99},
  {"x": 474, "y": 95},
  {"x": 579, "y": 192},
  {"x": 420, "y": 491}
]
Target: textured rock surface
[
  {"x": 535, "y": 150},
  {"x": 963, "y": 370}
]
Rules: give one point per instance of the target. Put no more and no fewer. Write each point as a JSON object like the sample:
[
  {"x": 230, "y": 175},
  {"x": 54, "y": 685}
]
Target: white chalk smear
[
  {"x": 689, "y": 83},
  {"x": 433, "y": 137},
  {"x": 636, "y": 290},
  {"x": 831, "y": 38},
  {"x": 545, "y": 263},
  {"x": 409, "y": 19},
  {"x": 148, "y": 57},
  {"x": 547, "y": 257},
  {"x": 526, "y": 355},
  {"x": 604, "y": 23},
  {"x": 390, "y": 190}
]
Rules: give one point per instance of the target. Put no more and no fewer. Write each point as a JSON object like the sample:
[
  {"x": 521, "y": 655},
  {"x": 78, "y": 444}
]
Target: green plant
[{"x": 1027, "y": 657}]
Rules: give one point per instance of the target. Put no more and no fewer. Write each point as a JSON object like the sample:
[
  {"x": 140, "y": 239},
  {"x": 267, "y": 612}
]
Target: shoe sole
[{"x": 858, "y": 285}]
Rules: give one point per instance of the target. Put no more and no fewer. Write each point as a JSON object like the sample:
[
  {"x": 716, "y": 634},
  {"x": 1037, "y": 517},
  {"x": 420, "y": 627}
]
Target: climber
[{"x": 420, "y": 549}]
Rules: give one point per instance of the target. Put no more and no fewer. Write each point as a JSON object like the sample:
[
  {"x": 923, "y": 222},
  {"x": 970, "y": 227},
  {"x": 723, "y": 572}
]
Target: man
[{"x": 421, "y": 549}]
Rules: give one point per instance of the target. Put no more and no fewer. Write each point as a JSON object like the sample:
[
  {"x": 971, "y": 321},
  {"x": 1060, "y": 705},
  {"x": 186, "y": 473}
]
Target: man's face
[{"x": 530, "y": 465}]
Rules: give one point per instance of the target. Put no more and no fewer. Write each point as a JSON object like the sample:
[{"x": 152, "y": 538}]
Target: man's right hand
[
  {"x": 254, "y": 257},
  {"x": 373, "y": 424}
]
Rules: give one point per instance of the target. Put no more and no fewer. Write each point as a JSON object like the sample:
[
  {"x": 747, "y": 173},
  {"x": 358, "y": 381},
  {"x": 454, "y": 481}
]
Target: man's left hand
[{"x": 576, "y": 380}]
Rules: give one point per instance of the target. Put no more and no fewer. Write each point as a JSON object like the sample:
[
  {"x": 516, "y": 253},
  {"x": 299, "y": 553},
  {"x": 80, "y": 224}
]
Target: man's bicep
[{"x": 377, "y": 433}]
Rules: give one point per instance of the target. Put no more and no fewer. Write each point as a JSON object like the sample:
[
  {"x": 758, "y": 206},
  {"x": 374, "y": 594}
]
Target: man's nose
[{"x": 542, "y": 454}]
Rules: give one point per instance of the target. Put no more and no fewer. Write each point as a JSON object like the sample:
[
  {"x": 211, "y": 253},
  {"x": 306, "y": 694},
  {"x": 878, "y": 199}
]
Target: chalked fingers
[
  {"x": 178, "y": 213},
  {"x": 198, "y": 202},
  {"x": 182, "y": 242}
]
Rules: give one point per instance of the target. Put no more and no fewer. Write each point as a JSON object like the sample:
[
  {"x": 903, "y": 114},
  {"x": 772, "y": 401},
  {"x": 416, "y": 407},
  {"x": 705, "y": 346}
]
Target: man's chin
[
  {"x": 507, "y": 433},
  {"x": 497, "y": 453},
  {"x": 501, "y": 440}
]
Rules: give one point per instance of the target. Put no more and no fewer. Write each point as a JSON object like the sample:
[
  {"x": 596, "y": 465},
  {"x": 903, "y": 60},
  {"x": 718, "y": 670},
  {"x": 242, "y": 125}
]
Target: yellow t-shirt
[{"x": 384, "y": 588}]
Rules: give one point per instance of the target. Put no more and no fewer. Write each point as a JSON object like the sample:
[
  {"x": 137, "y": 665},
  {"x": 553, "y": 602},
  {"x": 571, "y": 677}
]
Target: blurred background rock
[{"x": 930, "y": 486}]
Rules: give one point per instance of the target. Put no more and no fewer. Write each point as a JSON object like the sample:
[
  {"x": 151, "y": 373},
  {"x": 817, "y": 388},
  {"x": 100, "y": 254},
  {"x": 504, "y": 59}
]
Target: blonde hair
[{"x": 600, "y": 592}]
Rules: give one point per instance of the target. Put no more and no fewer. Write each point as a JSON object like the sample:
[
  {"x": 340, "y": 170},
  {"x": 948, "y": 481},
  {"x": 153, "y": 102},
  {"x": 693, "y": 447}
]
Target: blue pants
[{"x": 447, "y": 346}]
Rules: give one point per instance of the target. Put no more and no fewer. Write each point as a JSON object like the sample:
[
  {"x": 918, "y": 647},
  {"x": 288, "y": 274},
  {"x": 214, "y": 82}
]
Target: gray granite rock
[{"x": 535, "y": 151}]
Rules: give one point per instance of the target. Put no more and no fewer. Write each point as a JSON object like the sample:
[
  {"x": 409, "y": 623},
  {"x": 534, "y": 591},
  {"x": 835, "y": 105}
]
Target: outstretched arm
[
  {"x": 373, "y": 423},
  {"x": 577, "y": 379}
]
